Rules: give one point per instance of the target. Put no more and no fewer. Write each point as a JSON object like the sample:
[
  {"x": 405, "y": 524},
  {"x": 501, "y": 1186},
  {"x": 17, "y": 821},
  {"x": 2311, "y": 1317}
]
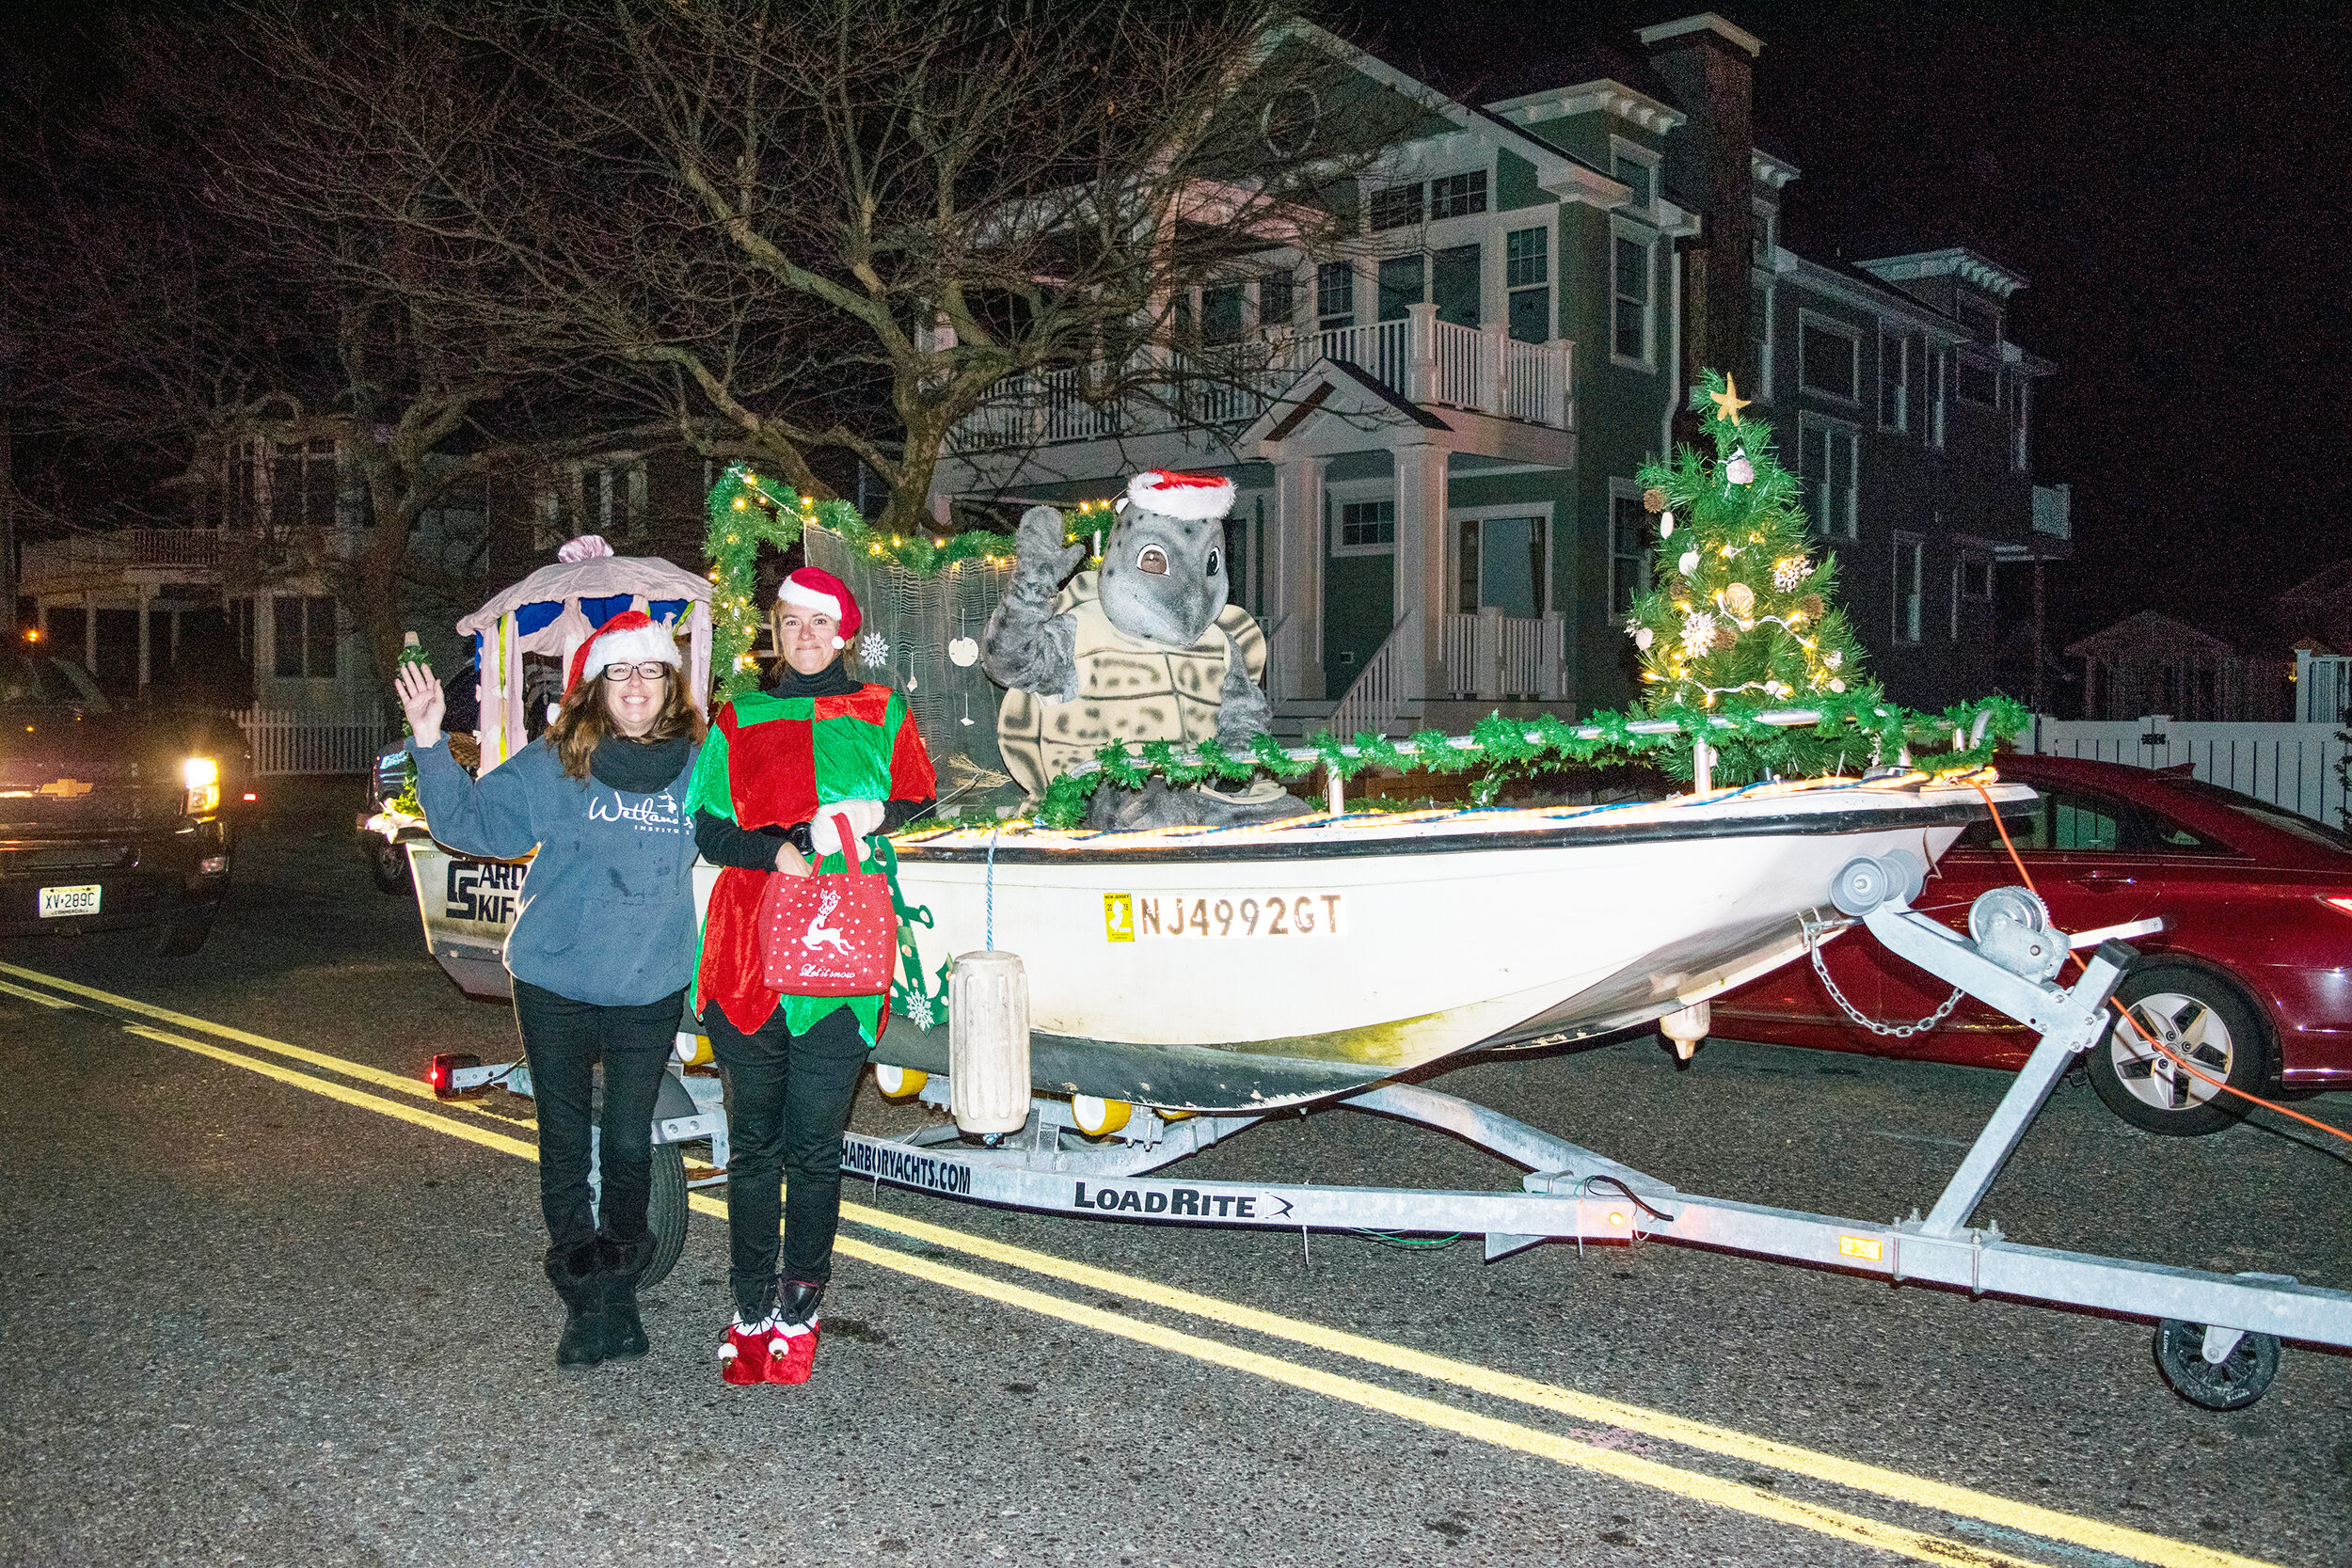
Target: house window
[
  {"x": 1637, "y": 170},
  {"x": 1628, "y": 550},
  {"x": 611, "y": 498},
  {"x": 1630, "y": 290},
  {"x": 2019, "y": 399},
  {"x": 1455, "y": 275},
  {"x": 304, "y": 631},
  {"x": 1910, "y": 578},
  {"x": 1767, "y": 227},
  {"x": 1401, "y": 285},
  {"x": 1275, "y": 299},
  {"x": 1978, "y": 381},
  {"x": 1829, "y": 464},
  {"x": 1940, "y": 364},
  {"x": 1828, "y": 358},
  {"x": 1395, "y": 206},
  {"x": 1335, "y": 296},
  {"x": 1972, "y": 584},
  {"x": 1894, "y": 381},
  {"x": 1366, "y": 528},
  {"x": 1458, "y": 196},
  {"x": 1221, "y": 313},
  {"x": 1760, "y": 337},
  {"x": 1527, "y": 273}
]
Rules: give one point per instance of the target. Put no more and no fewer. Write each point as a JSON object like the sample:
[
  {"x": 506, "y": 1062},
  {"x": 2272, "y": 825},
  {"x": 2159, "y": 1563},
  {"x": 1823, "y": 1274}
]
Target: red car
[{"x": 2251, "y": 977}]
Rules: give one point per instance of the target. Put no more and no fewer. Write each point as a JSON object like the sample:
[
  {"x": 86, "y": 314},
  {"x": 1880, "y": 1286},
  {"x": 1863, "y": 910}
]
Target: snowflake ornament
[
  {"x": 1698, "y": 633},
  {"x": 873, "y": 650},
  {"x": 1786, "y": 575},
  {"x": 917, "y": 1009},
  {"x": 1833, "y": 659}
]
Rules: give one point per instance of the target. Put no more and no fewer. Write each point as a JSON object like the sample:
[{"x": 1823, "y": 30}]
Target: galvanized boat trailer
[{"x": 2217, "y": 1336}]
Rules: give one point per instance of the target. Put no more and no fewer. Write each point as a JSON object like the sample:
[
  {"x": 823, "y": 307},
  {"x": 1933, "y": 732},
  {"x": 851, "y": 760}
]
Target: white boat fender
[
  {"x": 987, "y": 1042},
  {"x": 1685, "y": 1027}
]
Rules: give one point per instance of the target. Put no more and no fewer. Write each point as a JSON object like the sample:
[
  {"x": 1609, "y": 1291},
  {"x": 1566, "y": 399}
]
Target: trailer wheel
[
  {"x": 665, "y": 1214},
  {"x": 2243, "y": 1375}
]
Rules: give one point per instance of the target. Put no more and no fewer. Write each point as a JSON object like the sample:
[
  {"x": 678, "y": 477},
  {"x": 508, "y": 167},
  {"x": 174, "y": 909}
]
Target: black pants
[
  {"x": 787, "y": 1105},
  {"x": 563, "y": 1039}
]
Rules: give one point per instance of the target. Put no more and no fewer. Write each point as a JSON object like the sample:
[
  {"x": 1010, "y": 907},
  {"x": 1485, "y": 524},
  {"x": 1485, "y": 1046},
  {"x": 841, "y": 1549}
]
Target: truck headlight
[{"x": 202, "y": 777}]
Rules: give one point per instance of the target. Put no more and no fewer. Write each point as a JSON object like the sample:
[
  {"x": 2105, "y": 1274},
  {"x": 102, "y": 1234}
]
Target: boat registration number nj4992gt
[
  {"x": 57, "y": 901},
  {"x": 1152, "y": 916}
]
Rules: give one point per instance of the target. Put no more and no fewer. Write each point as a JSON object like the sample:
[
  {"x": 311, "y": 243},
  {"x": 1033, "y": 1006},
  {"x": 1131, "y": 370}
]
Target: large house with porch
[{"x": 1436, "y": 430}]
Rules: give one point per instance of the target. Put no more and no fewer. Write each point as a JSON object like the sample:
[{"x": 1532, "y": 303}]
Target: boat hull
[{"x": 1243, "y": 969}]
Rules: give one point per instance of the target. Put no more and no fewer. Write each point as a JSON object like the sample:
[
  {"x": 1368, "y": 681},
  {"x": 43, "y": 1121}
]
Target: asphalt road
[{"x": 293, "y": 1316}]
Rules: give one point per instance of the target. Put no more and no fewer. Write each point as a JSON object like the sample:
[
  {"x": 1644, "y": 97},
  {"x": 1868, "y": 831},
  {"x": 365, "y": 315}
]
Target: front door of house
[{"x": 1500, "y": 565}]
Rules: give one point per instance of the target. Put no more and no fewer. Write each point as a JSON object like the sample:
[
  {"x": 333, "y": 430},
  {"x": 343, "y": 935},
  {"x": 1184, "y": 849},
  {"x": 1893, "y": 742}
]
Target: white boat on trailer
[{"x": 1240, "y": 968}]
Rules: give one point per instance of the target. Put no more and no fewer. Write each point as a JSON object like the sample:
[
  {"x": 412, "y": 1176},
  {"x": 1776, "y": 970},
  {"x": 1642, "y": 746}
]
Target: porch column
[
  {"x": 1295, "y": 565},
  {"x": 1420, "y": 353},
  {"x": 1421, "y": 560}
]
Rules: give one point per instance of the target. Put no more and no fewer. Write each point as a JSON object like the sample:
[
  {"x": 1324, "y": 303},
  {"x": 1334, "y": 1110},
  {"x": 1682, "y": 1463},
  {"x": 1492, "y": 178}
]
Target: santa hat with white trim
[
  {"x": 629, "y": 638},
  {"x": 821, "y": 594},
  {"x": 1187, "y": 498}
]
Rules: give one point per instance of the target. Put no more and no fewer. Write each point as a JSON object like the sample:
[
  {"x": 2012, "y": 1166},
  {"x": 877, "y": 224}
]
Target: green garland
[
  {"x": 747, "y": 511},
  {"x": 1748, "y": 748}
]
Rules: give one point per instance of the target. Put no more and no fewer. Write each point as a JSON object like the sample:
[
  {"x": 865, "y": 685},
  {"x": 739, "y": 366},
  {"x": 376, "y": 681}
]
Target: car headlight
[{"x": 202, "y": 777}]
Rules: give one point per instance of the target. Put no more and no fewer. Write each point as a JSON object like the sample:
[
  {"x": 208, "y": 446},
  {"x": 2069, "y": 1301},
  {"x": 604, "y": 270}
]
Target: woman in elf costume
[{"x": 814, "y": 739}]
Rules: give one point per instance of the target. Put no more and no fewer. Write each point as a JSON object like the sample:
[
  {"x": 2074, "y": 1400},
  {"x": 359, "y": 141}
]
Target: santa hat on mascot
[
  {"x": 629, "y": 638},
  {"x": 1186, "y": 498},
  {"x": 821, "y": 594}
]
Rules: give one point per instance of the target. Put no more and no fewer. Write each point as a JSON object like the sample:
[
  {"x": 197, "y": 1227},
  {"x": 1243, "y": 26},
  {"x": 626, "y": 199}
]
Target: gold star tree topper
[{"x": 1728, "y": 402}]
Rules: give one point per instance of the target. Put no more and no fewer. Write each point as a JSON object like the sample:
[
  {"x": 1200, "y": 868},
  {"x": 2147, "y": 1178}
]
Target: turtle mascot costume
[{"x": 1148, "y": 648}]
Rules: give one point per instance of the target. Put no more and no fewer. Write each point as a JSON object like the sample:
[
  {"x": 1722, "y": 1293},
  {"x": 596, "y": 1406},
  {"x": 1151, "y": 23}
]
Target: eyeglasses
[{"x": 652, "y": 671}]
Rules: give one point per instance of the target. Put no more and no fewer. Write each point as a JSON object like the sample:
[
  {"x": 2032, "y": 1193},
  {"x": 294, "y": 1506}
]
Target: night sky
[{"x": 2176, "y": 183}]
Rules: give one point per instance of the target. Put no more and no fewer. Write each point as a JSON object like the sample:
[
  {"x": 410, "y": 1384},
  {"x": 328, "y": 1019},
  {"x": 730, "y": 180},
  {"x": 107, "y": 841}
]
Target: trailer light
[
  {"x": 1617, "y": 1216},
  {"x": 1868, "y": 1249},
  {"x": 441, "y": 1073},
  {"x": 213, "y": 865},
  {"x": 251, "y": 797},
  {"x": 2343, "y": 905},
  {"x": 202, "y": 777}
]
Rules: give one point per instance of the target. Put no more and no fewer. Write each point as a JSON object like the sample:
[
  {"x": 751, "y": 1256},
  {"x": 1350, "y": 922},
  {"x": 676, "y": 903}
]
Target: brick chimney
[{"x": 1709, "y": 63}]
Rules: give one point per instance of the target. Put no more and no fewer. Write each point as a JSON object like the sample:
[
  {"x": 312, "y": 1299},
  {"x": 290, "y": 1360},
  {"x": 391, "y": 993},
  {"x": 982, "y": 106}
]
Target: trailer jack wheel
[{"x": 2237, "y": 1380}]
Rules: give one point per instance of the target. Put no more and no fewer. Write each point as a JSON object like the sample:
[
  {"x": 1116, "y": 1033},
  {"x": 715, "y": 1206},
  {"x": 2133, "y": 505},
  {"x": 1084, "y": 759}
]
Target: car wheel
[
  {"x": 2198, "y": 1016},
  {"x": 389, "y": 864},
  {"x": 186, "y": 929}
]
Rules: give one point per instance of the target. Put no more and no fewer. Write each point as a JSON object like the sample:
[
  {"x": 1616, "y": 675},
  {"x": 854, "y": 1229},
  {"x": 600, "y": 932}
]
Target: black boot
[
  {"x": 576, "y": 1273},
  {"x": 624, "y": 1330},
  {"x": 797, "y": 1300}
]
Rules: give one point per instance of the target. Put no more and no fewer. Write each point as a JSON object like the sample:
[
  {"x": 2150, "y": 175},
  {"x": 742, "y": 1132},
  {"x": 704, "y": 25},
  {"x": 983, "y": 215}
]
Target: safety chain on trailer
[{"x": 1813, "y": 930}]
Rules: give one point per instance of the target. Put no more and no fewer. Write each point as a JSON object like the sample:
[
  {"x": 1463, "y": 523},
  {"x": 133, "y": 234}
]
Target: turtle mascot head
[{"x": 1164, "y": 576}]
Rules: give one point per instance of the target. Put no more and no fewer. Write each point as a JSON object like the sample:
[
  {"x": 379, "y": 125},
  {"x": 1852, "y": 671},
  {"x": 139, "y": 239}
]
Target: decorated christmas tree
[{"x": 1742, "y": 617}]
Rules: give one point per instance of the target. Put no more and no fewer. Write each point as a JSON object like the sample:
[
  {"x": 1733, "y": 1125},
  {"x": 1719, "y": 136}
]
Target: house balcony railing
[
  {"x": 93, "y": 561},
  {"x": 1492, "y": 656},
  {"x": 1419, "y": 358}
]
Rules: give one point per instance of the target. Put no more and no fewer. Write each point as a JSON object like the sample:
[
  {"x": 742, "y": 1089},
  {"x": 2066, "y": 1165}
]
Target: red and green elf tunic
[{"x": 773, "y": 762}]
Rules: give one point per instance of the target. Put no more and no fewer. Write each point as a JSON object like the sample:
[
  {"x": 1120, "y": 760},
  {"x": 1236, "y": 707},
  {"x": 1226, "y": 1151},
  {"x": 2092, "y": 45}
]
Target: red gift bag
[{"x": 833, "y": 934}]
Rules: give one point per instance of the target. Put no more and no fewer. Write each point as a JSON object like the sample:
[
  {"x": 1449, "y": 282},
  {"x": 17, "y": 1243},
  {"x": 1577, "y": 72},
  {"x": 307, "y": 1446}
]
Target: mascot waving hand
[{"x": 1149, "y": 648}]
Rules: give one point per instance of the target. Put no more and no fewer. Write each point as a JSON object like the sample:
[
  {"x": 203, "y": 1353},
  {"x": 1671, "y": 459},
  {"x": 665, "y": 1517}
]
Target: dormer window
[
  {"x": 1396, "y": 206},
  {"x": 1458, "y": 196},
  {"x": 1636, "y": 167}
]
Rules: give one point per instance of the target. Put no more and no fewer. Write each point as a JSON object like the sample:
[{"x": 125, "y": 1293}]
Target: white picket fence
[
  {"x": 289, "y": 740},
  {"x": 2292, "y": 765}
]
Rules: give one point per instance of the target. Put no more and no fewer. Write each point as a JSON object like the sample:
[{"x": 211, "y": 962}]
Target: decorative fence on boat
[
  {"x": 2291, "y": 766},
  {"x": 287, "y": 741}
]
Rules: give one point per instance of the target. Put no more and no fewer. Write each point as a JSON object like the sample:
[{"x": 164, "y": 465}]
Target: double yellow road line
[{"x": 2059, "y": 1537}]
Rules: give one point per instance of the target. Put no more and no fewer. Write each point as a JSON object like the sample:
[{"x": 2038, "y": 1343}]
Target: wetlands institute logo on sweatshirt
[{"x": 653, "y": 814}]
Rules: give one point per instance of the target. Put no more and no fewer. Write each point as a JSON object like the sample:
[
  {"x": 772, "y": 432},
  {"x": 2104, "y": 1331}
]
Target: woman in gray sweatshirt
[{"x": 603, "y": 949}]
